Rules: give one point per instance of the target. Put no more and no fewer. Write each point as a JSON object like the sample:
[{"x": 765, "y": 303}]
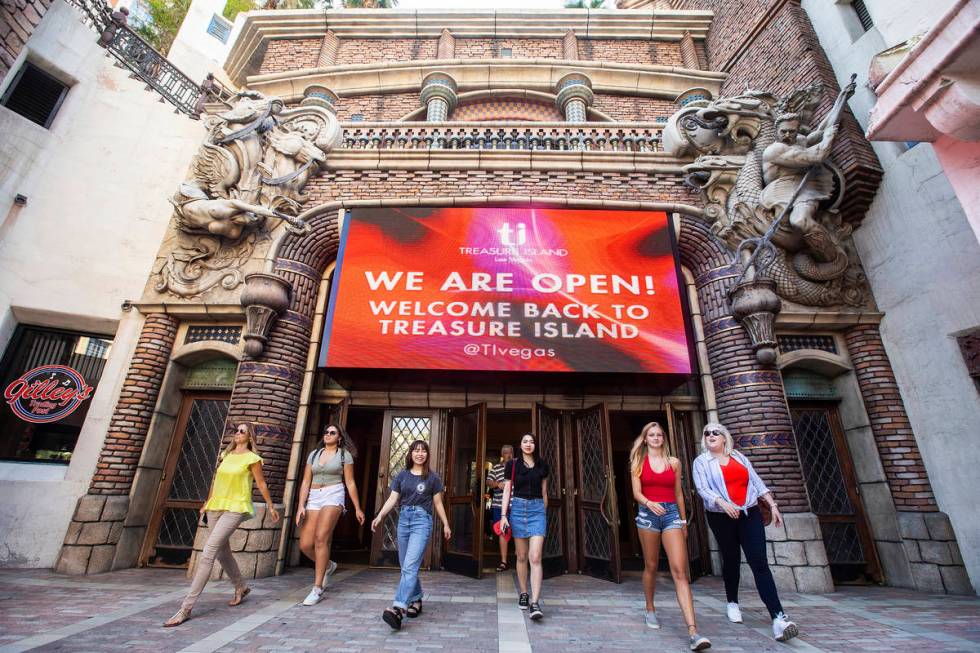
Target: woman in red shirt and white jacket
[
  {"x": 731, "y": 491},
  {"x": 660, "y": 520}
]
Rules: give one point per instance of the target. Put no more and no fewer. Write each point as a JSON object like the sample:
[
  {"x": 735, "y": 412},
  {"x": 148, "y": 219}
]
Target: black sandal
[
  {"x": 415, "y": 609},
  {"x": 502, "y": 567},
  {"x": 393, "y": 617}
]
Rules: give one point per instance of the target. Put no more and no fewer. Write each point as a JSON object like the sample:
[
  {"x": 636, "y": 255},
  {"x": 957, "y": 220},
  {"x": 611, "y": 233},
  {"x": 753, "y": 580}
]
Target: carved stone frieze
[
  {"x": 247, "y": 178},
  {"x": 759, "y": 157}
]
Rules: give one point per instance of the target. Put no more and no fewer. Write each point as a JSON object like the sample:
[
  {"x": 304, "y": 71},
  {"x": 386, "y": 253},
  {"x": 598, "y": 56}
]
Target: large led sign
[{"x": 506, "y": 289}]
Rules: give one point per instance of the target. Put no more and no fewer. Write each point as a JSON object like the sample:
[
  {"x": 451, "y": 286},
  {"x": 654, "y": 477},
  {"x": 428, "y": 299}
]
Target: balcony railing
[
  {"x": 602, "y": 137},
  {"x": 145, "y": 63}
]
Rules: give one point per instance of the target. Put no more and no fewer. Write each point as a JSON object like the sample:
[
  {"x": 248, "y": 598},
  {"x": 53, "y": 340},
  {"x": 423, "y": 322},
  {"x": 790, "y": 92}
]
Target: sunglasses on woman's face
[
  {"x": 714, "y": 434},
  {"x": 332, "y": 432},
  {"x": 242, "y": 429}
]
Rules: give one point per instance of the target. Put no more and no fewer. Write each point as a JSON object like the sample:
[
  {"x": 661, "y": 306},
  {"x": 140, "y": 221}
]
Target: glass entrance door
[{"x": 401, "y": 428}]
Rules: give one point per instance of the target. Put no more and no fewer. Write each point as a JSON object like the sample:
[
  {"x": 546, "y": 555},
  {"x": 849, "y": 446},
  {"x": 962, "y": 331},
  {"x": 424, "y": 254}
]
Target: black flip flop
[
  {"x": 502, "y": 567},
  {"x": 415, "y": 609}
]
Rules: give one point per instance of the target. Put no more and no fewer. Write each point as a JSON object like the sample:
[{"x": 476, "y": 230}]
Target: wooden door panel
[
  {"x": 546, "y": 424},
  {"x": 465, "y": 481}
]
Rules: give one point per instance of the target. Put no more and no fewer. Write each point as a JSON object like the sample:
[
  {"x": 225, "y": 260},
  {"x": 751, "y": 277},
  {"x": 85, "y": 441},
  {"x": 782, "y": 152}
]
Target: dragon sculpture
[
  {"x": 758, "y": 155},
  {"x": 252, "y": 167}
]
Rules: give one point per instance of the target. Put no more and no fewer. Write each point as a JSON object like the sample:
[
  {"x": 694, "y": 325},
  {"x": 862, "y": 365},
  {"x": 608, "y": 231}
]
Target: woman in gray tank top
[{"x": 322, "y": 501}]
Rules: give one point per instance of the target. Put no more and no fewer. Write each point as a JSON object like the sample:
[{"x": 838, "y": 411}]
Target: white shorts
[{"x": 332, "y": 495}]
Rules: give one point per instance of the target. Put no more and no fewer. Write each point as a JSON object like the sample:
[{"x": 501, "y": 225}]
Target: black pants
[{"x": 748, "y": 534}]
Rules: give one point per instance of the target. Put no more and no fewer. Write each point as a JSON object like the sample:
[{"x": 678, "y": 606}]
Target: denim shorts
[
  {"x": 527, "y": 518},
  {"x": 671, "y": 519}
]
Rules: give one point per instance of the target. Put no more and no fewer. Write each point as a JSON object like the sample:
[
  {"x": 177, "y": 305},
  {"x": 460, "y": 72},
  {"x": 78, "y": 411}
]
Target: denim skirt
[{"x": 527, "y": 517}]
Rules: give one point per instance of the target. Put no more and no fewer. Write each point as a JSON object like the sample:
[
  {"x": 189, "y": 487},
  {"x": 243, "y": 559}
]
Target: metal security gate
[
  {"x": 186, "y": 479},
  {"x": 834, "y": 493}
]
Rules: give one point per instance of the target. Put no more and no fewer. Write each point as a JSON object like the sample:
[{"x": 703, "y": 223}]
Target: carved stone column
[
  {"x": 438, "y": 96},
  {"x": 574, "y": 96},
  {"x": 752, "y": 405}
]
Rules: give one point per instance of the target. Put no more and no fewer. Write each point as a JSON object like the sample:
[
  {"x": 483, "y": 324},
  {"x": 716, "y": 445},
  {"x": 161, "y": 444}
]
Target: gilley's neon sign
[{"x": 47, "y": 393}]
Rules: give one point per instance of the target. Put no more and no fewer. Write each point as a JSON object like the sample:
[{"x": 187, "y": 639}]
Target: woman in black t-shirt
[{"x": 526, "y": 480}]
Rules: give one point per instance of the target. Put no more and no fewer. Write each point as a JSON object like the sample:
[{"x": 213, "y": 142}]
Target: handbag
[
  {"x": 498, "y": 525},
  {"x": 766, "y": 512}
]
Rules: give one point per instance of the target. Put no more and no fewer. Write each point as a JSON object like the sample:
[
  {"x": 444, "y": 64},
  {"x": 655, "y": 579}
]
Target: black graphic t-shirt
[
  {"x": 527, "y": 480},
  {"x": 413, "y": 490}
]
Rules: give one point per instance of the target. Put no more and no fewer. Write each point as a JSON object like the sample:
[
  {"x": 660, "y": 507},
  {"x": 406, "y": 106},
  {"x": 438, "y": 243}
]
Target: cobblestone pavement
[{"x": 122, "y": 611}]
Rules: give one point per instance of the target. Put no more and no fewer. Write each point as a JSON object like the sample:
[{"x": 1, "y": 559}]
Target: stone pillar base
[
  {"x": 796, "y": 554},
  {"x": 933, "y": 553},
  {"x": 255, "y": 545},
  {"x": 94, "y": 532}
]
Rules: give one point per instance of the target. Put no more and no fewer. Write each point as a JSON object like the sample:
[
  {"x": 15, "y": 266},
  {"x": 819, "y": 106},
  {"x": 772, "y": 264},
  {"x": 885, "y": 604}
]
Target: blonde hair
[
  {"x": 252, "y": 446},
  {"x": 715, "y": 426},
  {"x": 640, "y": 449}
]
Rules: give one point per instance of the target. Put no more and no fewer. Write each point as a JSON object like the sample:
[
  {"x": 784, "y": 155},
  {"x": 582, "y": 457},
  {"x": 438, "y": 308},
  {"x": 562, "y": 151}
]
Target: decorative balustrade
[
  {"x": 132, "y": 52},
  {"x": 602, "y": 137}
]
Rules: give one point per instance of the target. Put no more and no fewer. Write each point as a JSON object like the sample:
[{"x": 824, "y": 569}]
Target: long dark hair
[
  {"x": 409, "y": 463},
  {"x": 344, "y": 443}
]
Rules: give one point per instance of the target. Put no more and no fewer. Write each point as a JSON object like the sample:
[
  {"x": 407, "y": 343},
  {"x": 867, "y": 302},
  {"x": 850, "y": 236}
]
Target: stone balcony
[{"x": 583, "y": 137}]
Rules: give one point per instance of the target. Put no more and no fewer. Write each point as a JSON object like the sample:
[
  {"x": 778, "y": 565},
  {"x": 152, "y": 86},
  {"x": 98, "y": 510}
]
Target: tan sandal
[
  {"x": 240, "y": 594},
  {"x": 180, "y": 617}
]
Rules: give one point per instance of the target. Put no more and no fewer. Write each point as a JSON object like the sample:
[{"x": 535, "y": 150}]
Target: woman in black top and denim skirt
[{"x": 526, "y": 480}]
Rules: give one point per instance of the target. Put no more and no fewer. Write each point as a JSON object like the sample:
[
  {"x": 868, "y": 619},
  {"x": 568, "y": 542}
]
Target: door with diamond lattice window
[
  {"x": 834, "y": 493},
  {"x": 186, "y": 479},
  {"x": 598, "y": 523},
  {"x": 401, "y": 429}
]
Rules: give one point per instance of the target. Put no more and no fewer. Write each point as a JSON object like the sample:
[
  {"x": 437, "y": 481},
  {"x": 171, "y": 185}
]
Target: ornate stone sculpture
[
  {"x": 252, "y": 167},
  {"x": 757, "y": 155}
]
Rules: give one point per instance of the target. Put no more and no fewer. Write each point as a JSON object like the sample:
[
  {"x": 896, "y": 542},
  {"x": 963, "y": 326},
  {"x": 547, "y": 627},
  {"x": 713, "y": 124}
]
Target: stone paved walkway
[{"x": 122, "y": 612}]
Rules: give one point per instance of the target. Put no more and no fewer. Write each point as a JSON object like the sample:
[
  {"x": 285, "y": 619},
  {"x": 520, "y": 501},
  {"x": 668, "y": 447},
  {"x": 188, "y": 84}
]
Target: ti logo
[{"x": 506, "y": 232}]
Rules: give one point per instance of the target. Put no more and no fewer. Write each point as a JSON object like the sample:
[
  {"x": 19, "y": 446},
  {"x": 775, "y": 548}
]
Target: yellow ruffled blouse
[{"x": 232, "y": 490}]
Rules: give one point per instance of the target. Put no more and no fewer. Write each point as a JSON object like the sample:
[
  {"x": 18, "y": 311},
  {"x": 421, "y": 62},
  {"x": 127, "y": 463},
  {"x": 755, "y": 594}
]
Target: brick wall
[
  {"x": 134, "y": 410},
  {"x": 378, "y": 107},
  {"x": 635, "y": 109},
  {"x": 357, "y": 51},
  {"x": 900, "y": 457},
  {"x": 291, "y": 54},
  {"x": 18, "y": 18},
  {"x": 521, "y": 48},
  {"x": 663, "y": 53}
]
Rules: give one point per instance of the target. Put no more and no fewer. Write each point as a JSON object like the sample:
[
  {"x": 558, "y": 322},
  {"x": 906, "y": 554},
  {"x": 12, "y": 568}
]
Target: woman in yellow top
[{"x": 229, "y": 504}]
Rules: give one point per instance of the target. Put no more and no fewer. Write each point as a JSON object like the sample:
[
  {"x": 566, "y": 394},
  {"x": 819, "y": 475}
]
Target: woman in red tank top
[{"x": 660, "y": 520}]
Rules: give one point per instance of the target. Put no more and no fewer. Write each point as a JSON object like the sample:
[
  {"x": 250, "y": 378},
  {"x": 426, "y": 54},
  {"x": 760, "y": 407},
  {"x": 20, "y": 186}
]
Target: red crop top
[
  {"x": 657, "y": 487},
  {"x": 736, "y": 480}
]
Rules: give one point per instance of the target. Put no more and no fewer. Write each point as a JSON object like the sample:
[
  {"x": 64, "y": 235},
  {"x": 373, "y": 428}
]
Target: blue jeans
[
  {"x": 414, "y": 530},
  {"x": 648, "y": 520}
]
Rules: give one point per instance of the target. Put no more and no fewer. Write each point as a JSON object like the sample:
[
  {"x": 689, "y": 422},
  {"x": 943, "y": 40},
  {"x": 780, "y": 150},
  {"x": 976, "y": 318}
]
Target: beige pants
[{"x": 223, "y": 524}]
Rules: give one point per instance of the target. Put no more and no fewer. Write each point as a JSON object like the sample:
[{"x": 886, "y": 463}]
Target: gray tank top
[{"x": 332, "y": 471}]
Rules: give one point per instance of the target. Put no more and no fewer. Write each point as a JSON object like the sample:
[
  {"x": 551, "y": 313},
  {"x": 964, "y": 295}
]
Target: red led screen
[{"x": 506, "y": 289}]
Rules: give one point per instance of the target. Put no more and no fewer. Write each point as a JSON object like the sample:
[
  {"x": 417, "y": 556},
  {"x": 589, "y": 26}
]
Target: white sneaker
[
  {"x": 783, "y": 629},
  {"x": 332, "y": 567},
  {"x": 651, "y": 620},
  {"x": 734, "y": 614},
  {"x": 313, "y": 597}
]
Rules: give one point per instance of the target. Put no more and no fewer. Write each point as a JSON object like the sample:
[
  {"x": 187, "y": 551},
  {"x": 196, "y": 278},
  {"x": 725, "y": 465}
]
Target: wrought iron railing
[
  {"x": 145, "y": 63},
  {"x": 602, "y": 137}
]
